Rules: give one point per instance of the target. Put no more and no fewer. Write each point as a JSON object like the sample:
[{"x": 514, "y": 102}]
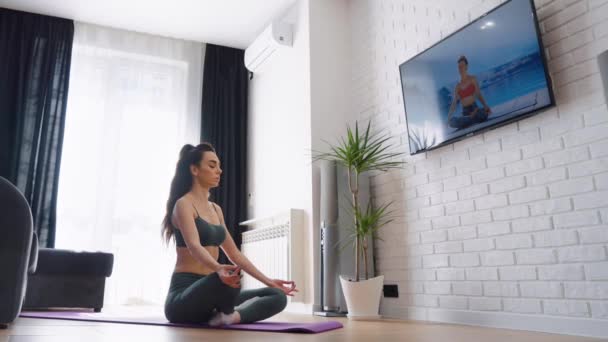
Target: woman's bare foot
[
  {"x": 216, "y": 320},
  {"x": 221, "y": 318},
  {"x": 236, "y": 317}
]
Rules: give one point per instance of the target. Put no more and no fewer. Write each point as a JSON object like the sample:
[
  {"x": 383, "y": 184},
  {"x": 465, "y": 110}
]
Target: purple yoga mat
[{"x": 307, "y": 328}]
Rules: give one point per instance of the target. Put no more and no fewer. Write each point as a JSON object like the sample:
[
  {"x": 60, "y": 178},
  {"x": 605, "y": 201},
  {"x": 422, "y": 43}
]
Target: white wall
[
  {"x": 508, "y": 228},
  {"x": 330, "y": 70},
  {"x": 330, "y": 65},
  {"x": 279, "y": 142},
  {"x": 299, "y": 99}
]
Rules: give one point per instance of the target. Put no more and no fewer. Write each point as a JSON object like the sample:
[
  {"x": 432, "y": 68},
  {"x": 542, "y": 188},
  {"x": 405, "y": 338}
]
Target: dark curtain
[
  {"x": 224, "y": 124},
  {"x": 35, "y": 55}
]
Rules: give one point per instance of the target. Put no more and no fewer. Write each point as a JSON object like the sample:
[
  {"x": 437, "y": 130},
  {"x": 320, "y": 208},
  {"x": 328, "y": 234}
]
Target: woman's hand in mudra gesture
[
  {"x": 230, "y": 275},
  {"x": 288, "y": 287}
]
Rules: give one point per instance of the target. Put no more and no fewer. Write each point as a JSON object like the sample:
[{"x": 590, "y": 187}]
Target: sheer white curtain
[{"x": 134, "y": 101}]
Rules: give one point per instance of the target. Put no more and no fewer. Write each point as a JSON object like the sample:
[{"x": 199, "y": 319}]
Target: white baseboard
[{"x": 541, "y": 323}]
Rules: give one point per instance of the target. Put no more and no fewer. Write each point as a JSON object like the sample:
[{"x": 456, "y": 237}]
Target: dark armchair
[{"x": 18, "y": 250}]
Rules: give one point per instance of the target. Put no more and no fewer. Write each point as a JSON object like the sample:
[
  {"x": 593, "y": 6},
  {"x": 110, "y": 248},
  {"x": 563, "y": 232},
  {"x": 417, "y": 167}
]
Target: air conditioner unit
[{"x": 275, "y": 36}]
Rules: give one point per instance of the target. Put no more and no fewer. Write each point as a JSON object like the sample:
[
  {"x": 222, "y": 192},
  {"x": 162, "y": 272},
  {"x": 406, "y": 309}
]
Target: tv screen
[{"x": 490, "y": 72}]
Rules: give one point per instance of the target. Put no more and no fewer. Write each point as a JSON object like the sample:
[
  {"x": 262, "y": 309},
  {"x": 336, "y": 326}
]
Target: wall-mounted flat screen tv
[{"x": 491, "y": 72}]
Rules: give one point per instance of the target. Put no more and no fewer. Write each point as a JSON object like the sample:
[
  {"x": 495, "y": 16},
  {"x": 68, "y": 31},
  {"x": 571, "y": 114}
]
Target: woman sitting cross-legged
[
  {"x": 202, "y": 290},
  {"x": 467, "y": 91}
]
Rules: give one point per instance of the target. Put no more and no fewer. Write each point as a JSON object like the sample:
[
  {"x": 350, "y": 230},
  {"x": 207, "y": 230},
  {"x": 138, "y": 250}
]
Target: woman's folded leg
[
  {"x": 196, "y": 302},
  {"x": 266, "y": 302}
]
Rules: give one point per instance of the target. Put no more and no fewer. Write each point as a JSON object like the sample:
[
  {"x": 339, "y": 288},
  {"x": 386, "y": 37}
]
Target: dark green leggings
[{"x": 194, "y": 298}]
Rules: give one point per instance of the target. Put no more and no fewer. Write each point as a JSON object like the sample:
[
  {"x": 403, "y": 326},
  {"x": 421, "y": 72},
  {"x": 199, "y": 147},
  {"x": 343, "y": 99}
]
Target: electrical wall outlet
[{"x": 391, "y": 291}]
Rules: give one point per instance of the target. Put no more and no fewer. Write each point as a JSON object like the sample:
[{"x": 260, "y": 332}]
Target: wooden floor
[{"x": 28, "y": 329}]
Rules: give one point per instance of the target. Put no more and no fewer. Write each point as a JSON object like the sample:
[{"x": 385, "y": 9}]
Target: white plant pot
[{"x": 362, "y": 297}]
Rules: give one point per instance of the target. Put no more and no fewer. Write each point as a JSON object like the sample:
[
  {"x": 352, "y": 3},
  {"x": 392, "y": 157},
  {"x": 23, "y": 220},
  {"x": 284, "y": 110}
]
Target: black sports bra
[{"x": 209, "y": 234}]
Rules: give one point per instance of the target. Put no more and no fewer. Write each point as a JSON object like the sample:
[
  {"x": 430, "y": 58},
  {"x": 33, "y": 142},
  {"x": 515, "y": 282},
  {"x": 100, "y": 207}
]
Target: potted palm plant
[{"x": 360, "y": 152}]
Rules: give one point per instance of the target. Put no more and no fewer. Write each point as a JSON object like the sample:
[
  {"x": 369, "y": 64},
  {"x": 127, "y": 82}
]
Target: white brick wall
[
  {"x": 500, "y": 289},
  {"x": 485, "y": 304},
  {"x": 515, "y": 219},
  {"x": 467, "y": 288},
  {"x": 561, "y": 272},
  {"x": 526, "y": 306},
  {"x": 453, "y": 302},
  {"x": 535, "y": 257},
  {"x": 597, "y": 271},
  {"x": 517, "y": 273}
]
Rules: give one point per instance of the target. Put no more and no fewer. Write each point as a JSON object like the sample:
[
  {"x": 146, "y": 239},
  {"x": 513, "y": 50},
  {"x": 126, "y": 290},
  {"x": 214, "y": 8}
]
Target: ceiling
[{"x": 233, "y": 23}]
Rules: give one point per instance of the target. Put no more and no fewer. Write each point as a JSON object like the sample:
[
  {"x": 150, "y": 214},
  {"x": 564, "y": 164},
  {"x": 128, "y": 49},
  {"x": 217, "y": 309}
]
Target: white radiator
[{"x": 275, "y": 245}]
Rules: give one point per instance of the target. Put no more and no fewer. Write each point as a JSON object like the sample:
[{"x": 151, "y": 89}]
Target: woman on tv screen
[{"x": 466, "y": 91}]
